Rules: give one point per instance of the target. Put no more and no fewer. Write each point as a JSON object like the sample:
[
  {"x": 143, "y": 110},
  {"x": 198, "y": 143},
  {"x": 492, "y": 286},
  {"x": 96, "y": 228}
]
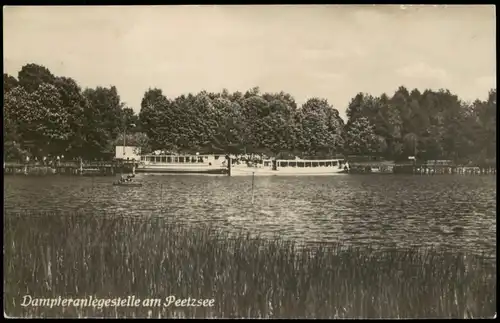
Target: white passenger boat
[
  {"x": 194, "y": 164},
  {"x": 291, "y": 167}
]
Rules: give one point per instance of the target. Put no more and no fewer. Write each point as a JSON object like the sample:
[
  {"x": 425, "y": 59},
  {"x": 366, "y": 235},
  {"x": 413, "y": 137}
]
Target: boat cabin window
[
  {"x": 169, "y": 159},
  {"x": 164, "y": 159},
  {"x": 143, "y": 158},
  {"x": 292, "y": 164},
  {"x": 328, "y": 164},
  {"x": 266, "y": 163},
  {"x": 300, "y": 164},
  {"x": 200, "y": 159},
  {"x": 216, "y": 157},
  {"x": 314, "y": 164},
  {"x": 334, "y": 163}
]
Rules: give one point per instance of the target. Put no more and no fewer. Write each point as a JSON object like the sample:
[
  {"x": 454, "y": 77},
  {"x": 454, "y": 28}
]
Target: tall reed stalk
[{"x": 77, "y": 255}]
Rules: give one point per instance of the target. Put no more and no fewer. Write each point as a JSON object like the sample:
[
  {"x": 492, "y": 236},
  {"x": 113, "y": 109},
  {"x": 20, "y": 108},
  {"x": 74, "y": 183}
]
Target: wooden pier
[
  {"x": 453, "y": 170},
  {"x": 420, "y": 168},
  {"x": 444, "y": 167},
  {"x": 93, "y": 168}
]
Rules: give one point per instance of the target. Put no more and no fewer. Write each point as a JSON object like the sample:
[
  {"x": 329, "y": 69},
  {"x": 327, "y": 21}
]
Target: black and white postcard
[{"x": 250, "y": 161}]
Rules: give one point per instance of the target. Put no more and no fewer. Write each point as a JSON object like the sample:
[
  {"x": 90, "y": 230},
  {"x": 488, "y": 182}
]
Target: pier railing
[
  {"x": 68, "y": 167},
  {"x": 75, "y": 164}
]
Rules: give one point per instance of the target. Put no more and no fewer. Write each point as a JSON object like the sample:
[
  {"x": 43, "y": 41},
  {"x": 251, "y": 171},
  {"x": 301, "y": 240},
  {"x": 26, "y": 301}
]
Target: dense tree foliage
[
  {"x": 46, "y": 115},
  {"x": 430, "y": 125}
]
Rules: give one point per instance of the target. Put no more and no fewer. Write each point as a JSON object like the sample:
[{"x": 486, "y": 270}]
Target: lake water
[{"x": 452, "y": 212}]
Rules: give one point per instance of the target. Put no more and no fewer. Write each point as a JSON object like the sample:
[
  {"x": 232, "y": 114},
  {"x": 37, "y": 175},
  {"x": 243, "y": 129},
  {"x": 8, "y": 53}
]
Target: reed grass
[{"x": 52, "y": 254}]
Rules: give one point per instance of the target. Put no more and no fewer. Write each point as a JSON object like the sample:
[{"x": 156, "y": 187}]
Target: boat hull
[{"x": 182, "y": 170}]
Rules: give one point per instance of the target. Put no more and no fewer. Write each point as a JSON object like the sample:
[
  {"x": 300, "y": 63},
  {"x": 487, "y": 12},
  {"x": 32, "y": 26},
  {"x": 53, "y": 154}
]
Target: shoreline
[{"x": 428, "y": 171}]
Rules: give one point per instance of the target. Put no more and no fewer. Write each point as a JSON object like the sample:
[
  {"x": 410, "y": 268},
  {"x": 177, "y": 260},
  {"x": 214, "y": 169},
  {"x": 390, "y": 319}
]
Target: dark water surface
[{"x": 455, "y": 212}]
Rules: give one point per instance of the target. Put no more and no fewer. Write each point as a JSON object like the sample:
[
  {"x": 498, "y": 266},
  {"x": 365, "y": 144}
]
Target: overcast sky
[{"x": 332, "y": 52}]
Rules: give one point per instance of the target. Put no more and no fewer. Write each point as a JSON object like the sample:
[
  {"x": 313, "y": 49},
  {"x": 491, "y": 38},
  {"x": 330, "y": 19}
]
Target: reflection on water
[{"x": 377, "y": 210}]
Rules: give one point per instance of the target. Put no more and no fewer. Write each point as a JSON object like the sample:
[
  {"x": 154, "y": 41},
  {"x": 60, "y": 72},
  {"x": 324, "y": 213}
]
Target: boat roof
[
  {"x": 309, "y": 160},
  {"x": 180, "y": 155}
]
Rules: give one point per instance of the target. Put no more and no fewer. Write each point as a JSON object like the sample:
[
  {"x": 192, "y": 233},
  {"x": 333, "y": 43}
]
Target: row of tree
[
  {"x": 49, "y": 115},
  {"x": 238, "y": 123},
  {"x": 429, "y": 125}
]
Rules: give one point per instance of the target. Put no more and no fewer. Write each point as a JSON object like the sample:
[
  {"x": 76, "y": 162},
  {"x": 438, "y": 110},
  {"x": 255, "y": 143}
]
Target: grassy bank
[{"x": 77, "y": 255}]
